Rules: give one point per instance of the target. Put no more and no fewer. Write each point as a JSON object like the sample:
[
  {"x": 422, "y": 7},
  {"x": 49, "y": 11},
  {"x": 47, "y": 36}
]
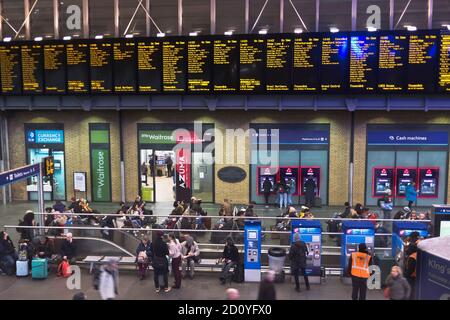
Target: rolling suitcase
[
  {"x": 39, "y": 269},
  {"x": 22, "y": 268}
]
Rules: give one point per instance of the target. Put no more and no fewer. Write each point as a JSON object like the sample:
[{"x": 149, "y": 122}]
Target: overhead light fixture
[
  {"x": 193, "y": 34},
  {"x": 67, "y": 38},
  {"x": 38, "y": 39},
  {"x": 99, "y": 36},
  {"x": 446, "y": 26},
  {"x": 263, "y": 31},
  {"x": 411, "y": 28},
  {"x": 7, "y": 39},
  {"x": 229, "y": 32},
  {"x": 298, "y": 30},
  {"x": 334, "y": 30},
  {"x": 371, "y": 29},
  {"x": 160, "y": 34},
  {"x": 129, "y": 36}
]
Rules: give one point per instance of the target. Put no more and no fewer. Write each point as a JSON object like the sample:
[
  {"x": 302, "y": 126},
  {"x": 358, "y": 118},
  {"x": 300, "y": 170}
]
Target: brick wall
[
  {"x": 76, "y": 133},
  {"x": 362, "y": 119}
]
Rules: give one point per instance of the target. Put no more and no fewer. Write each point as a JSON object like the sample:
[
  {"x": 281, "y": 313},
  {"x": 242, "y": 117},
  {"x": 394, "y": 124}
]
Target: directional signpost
[{"x": 19, "y": 174}]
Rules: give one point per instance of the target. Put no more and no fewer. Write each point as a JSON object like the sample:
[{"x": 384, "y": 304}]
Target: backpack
[
  {"x": 64, "y": 269},
  {"x": 96, "y": 277},
  {"x": 238, "y": 274}
]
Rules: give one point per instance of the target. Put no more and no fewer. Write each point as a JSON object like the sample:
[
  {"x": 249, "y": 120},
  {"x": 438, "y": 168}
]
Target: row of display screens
[
  {"x": 426, "y": 180},
  {"x": 351, "y": 62}
]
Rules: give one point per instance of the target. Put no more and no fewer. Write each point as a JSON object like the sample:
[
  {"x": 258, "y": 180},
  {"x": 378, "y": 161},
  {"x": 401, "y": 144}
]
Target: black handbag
[{"x": 159, "y": 262}]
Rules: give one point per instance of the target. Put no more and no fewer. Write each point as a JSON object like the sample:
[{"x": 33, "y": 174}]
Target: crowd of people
[{"x": 285, "y": 189}]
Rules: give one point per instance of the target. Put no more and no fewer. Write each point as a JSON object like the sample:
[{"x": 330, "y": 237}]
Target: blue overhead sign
[
  {"x": 407, "y": 138},
  {"x": 16, "y": 175},
  {"x": 45, "y": 136}
]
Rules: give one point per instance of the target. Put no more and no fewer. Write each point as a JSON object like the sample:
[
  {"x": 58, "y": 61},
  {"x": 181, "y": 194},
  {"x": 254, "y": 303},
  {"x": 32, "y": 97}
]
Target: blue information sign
[
  {"x": 45, "y": 136},
  {"x": 435, "y": 138},
  {"x": 15, "y": 175}
]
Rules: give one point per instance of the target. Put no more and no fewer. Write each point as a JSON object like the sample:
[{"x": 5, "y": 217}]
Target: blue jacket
[{"x": 411, "y": 193}]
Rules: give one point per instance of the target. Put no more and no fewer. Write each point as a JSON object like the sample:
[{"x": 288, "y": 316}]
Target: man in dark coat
[
  {"x": 267, "y": 288},
  {"x": 267, "y": 189},
  {"x": 310, "y": 188},
  {"x": 297, "y": 256}
]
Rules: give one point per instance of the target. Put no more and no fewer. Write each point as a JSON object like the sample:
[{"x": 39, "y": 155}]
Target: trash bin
[{"x": 277, "y": 256}]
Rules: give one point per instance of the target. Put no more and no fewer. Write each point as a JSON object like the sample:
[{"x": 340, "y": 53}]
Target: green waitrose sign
[
  {"x": 156, "y": 137},
  {"x": 101, "y": 175}
]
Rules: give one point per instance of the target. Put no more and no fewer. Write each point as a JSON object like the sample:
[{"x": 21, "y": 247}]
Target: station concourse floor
[{"x": 205, "y": 286}]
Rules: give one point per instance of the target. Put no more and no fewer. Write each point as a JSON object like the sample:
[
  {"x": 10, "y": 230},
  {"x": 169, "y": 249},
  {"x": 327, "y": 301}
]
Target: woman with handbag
[
  {"x": 397, "y": 287},
  {"x": 160, "y": 264},
  {"x": 142, "y": 253}
]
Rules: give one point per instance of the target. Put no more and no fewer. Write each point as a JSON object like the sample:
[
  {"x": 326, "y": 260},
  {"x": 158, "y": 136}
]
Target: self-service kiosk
[
  {"x": 252, "y": 251},
  {"x": 404, "y": 177},
  {"x": 311, "y": 233},
  {"x": 290, "y": 173},
  {"x": 400, "y": 231},
  {"x": 440, "y": 218},
  {"x": 310, "y": 173},
  {"x": 267, "y": 172},
  {"x": 428, "y": 182},
  {"x": 354, "y": 233},
  {"x": 383, "y": 179}
]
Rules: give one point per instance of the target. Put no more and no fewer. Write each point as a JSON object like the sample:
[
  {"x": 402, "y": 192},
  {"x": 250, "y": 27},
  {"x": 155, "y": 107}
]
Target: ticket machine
[
  {"x": 440, "y": 218},
  {"x": 401, "y": 230},
  {"x": 252, "y": 251},
  {"x": 310, "y": 232},
  {"x": 383, "y": 179},
  {"x": 428, "y": 182},
  {"x": 269, "y": 173},
  {"x": 354, "y": 233},
  {"x": 288, "y": 173}
]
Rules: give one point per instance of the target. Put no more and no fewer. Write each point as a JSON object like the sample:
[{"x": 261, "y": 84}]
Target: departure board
[
  {"x": 306, "y": 62},
  {"x": 124, "y": 57},
  {"x": 278, "y": 64},
  {"x": 226, "y": 65},
  {"x": 32, "y": 68},
  {"x": 174, "y": 66},
  {"x": 199, "y": 65},
  {"x": 149, "y": 66},
  {"x": 363, "y": 63},
  {"x": 334, "y": 63},
  {"x": 392, "y": 62},
  {"x": 78, "y": 78},
  {"x": 444, "y": 63},
  {"x": 11, "y": 74},
  {"x": 252, "y": 65},
  {"x": 100, "y": 58},
  {"x": 422, "y": 62},
  {"x": 55, "y": 68}
]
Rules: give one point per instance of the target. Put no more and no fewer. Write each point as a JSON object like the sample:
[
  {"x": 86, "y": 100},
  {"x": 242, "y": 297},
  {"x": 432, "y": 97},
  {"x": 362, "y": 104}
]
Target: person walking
[
  {"x": 297, "y": 256},
  {"x": 410, "y": 268},
  {"x": 397, "y": 287},
  {"x": 310, "y": 192},
  {"x": 358, "y": 268},
  {"x": 169, "y": 164},
  {"x": 109, "y": 280},
  {"x": 267, "y": 189},
  {"x": 411, "y": 194},
  {"x": 267, "y": 288},
  {"x": 159, "y": 254},
  {"x": 175, "y": 254}
]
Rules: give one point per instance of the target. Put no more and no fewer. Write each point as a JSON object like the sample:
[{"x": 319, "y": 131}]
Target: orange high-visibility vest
[
  {"x": 413, "y": 256},
  {"x": 360, "y": 265}
]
